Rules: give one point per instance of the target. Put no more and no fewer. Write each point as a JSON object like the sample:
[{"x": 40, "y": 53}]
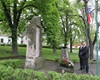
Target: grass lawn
[
  {"x": 47, "y": 54},
  {"x": 5, "y": 51}
]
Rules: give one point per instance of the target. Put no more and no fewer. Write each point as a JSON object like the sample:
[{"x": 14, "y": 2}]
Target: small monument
[
  {"x": 34, "y": 45},
  {"x": 64, "y": 53},
  {"x": 65, "y": 61}
]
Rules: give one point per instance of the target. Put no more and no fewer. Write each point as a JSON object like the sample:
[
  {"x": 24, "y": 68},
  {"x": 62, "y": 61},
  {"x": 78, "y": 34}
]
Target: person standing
[
  {"x": 85, "y": 55},
  {"x": 80, "y": 56}
]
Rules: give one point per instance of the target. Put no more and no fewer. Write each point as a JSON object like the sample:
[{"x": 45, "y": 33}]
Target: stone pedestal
[
  {"x": 65, "y": 61},
  {"x": 39, "y": 62},
  {"x": 64, "y": 53},
  {"x": 34, "y": 42}
]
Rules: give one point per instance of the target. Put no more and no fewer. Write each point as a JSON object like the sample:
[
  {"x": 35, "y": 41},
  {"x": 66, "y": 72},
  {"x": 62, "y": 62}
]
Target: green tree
[
  {"x": 71, "y": 22},
  {"x": 12, "y": 12},
  {"x": 14, "y": 15},
  {"x": 90, "y": 38},
  {"x": 50, "y": 18},
  {"x": 64, "y": 11},
  {"x": 77, "y": 27}
]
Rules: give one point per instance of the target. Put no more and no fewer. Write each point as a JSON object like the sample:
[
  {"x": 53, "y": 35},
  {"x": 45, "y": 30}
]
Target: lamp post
[
  {"x": 87, "y": 24},
  {"x": 96, "y": 22}
]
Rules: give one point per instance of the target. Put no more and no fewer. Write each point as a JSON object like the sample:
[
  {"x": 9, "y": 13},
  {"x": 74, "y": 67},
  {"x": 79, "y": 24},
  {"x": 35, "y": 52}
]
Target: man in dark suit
[
  {"x": 80, "y": 55},
  {"x": 85, "y": 55}
]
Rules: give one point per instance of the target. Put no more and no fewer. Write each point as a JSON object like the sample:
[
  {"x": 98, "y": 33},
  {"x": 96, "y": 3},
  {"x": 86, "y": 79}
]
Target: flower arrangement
[{"x": 66, "y": 63}]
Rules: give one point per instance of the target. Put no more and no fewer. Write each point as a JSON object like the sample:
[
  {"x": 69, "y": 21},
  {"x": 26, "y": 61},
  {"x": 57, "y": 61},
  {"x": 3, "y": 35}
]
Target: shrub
[
  {"x": 15, "y": 63},
  {"x": 69, "y": 76},
  {"x": 6, "y": 72},
  {"x": 54, "y": 75},
  {"x": 57, "y": 60},
  {"x": 5, "y": 44},
  {"x": 46, "y": 47},
  {"x": 22, "y": 45},
  {"x": 9, "y": 73},
  {"x": 39, "y": 75},
  {"x": 12, "y": 73}
]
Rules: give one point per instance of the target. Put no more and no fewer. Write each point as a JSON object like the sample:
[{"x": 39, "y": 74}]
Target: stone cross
[{"x": 34, "y": 41}]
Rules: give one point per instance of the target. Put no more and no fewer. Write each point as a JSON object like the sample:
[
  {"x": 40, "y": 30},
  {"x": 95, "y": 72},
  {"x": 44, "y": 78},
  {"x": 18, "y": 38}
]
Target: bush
[
  {"x": 5, "y": 44},
  {"x": 88, "y": 77},
  {"x": 22, "y": 45},
  {"x": 15, "y": 63},
  {"x": 6, "y": 72},
  {"x": 46, "y": 47},
  {"x": 54, "y": 75},
  {"x": 10, "y": 72},
  {"x": 69, "y": 76},
  {"x": 57, "y": 60},
  {"x": 39, "y": 75}
]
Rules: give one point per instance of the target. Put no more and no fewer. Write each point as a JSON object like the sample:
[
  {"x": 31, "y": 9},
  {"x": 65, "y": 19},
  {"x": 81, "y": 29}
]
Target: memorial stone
[{"x": 34, "y": 59}]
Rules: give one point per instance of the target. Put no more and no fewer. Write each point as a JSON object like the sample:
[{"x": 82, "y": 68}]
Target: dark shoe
[
  {"x": 86, "y": 71},
  {"x": 80, "y": 69},
  {"x": 83, "y": 71},
  {"x": 83, "y": 68}
]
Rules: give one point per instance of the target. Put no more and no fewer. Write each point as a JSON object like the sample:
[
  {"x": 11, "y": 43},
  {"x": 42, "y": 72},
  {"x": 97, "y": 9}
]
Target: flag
[{"x": 88, "y": 15}]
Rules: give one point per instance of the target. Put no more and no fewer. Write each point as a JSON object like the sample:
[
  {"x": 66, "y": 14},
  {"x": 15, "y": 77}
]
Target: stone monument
[
  {"x": 66, "y": 64},
  {"x": 64, "y": 53},
  {"x": 34, "y": 44}
]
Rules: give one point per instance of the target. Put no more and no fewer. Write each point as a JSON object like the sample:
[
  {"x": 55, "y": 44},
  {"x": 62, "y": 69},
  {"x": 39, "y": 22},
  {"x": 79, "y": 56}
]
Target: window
[
  {"x": 2, "y": 40},
  {"x": 21, "y": 41}
]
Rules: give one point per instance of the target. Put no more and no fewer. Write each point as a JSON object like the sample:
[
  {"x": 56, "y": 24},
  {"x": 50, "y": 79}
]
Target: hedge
[
  {"x": 10, "y": 70},
  {"x": 15, "y": 63},
  {"x": 9, "y": 73}
]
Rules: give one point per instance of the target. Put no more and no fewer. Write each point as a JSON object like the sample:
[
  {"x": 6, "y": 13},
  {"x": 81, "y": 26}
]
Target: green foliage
[
  {"x": 22, "y": 45},
  {"x": 5, "y": 44},
  {"x": 88, "y": 77},
  {"x": 16, "y": 63},
  {"x": 16, "y": 74},
  {"x": 80, "y": 29},
  {"x": 8, "y": 73},
  {"x": 69, "y": 76},
  {"x": 16, "y": 15},
  {"x": 54, "y": 75},
  {"x": 39, "y": 75},
  {"x": 50, "y": 17}
]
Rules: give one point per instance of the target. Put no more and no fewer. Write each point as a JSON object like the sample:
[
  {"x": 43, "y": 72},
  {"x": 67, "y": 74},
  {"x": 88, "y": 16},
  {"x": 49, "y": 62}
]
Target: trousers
[{"x": 85, "y": 64}]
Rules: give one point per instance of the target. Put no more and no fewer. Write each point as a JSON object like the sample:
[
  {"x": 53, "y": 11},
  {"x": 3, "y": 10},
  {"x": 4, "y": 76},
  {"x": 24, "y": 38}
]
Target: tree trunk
[
  {"x": 65, "y": 40},
  {"x": 14, "y": 41},
  {"x": 91, "y": 46},
  {"x": 54, "y": 50},
  {"x": 71, "y": 44},
  {"x": 91, "y": 49}
]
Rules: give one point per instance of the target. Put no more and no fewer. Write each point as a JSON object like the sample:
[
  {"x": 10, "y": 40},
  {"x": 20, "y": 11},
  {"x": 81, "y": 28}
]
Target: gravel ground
[{"x": 54, "y": 66}]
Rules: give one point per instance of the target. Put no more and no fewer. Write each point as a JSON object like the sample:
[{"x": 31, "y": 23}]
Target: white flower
[{"x": 69, "y": 64}]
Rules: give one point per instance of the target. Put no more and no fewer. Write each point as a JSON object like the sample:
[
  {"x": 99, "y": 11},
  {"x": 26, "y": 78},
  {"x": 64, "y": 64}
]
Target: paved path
[
  {"x": 92, "y": 69},
  {"x": 54, "y": 66}
]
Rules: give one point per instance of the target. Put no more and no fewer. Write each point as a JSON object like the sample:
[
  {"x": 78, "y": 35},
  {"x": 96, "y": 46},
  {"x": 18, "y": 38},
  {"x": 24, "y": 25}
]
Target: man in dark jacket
[
  {"x": 80, "y": 55},
  {"x": 85, "y": 55}
]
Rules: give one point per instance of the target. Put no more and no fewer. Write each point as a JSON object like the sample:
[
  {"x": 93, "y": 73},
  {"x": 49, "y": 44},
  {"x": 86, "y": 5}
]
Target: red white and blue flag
[{"x": 88, "y": 15}]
